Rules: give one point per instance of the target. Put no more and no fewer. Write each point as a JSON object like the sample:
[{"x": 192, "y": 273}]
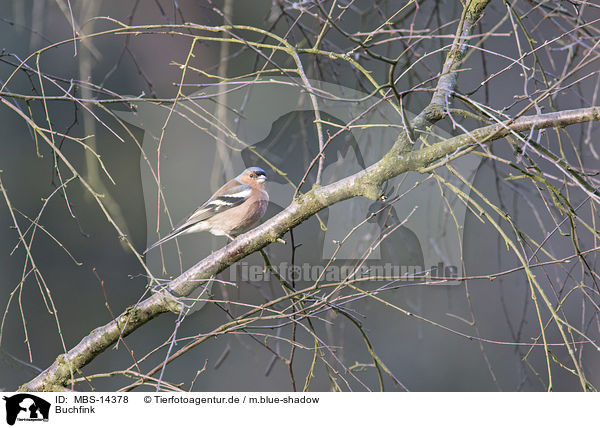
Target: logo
[
  {"x": 26, "y": 407},
  {"x": 415, "y": 233}
]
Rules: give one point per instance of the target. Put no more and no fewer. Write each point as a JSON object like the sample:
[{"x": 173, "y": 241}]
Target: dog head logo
[{"x": 26, "y": 407}]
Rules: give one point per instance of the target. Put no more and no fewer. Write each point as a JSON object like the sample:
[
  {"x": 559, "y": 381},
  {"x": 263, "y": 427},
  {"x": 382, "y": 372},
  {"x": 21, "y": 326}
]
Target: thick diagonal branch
[{"x": 366, "y": 183}]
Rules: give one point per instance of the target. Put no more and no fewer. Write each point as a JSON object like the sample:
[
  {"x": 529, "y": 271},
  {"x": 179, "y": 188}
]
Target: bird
[{"x": 237, "y": 206}]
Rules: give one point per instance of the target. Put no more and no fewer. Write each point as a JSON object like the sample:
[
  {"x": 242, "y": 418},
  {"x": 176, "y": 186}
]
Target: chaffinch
[{"x": 237, "y": 206}]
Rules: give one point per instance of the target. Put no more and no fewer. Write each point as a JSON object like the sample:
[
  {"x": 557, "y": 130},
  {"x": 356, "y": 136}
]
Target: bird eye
[{"x": 252, "y": 175}]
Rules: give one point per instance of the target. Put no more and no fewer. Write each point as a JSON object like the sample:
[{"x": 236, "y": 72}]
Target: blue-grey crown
[{"x": 258, "y": 171}]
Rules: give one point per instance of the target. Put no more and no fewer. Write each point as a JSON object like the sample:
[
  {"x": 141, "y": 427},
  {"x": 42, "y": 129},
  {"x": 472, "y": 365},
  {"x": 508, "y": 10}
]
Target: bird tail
[{"x": 164, "y": 239}]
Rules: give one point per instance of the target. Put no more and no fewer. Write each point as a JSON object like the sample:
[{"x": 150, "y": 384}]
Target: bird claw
[{"x": 281, "y": 241}]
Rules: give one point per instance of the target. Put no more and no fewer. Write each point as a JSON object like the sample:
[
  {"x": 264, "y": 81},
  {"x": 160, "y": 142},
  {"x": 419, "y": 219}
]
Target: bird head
[{"x": 253, "y": 176}]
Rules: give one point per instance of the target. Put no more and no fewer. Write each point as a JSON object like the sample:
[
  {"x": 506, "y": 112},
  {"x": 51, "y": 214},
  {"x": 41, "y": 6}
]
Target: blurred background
[{"x": 478, "y": 334}]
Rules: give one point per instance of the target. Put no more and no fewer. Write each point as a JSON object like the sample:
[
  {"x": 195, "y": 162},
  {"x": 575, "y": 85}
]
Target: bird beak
[{"x": 261, "y": 179}]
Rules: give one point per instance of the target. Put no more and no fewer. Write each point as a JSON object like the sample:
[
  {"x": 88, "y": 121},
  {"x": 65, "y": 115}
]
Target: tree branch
[
  {"x": 436, "y": 109},
  {"x": 365, "y": 183}
]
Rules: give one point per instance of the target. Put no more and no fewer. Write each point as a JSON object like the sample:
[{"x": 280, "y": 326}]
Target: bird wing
[{"x": 228, "y": 196}]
